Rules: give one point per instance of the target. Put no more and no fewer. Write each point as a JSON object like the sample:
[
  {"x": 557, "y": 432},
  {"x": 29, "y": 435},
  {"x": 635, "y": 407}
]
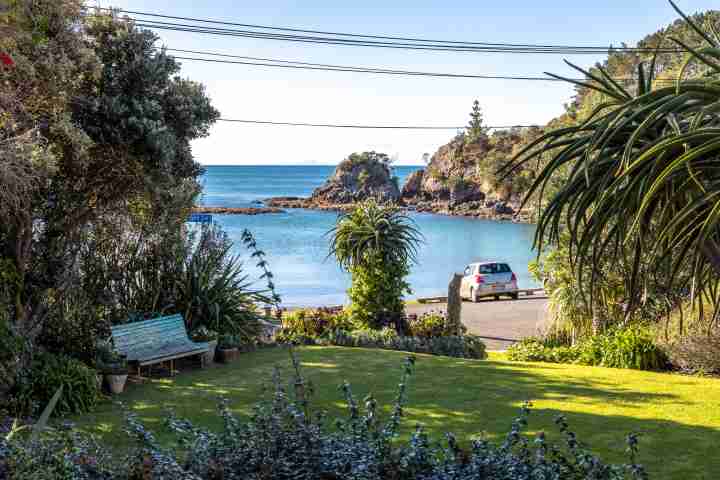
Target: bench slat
[{"x": 155, "y": 340}]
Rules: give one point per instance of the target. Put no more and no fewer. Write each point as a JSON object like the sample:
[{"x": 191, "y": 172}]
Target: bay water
[{"x": 296, "y": 242}]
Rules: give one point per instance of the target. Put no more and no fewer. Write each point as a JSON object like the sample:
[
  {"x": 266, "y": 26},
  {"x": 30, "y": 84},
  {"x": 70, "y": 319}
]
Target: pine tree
[{"x": 475, "y": 127}]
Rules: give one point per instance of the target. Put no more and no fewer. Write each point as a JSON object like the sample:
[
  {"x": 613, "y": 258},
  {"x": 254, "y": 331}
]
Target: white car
[{"x": 488, "y": 279}]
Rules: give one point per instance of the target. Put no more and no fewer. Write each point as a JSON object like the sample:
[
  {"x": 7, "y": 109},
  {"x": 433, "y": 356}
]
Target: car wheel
[
  {"x": 514, "y": 296},
  {"x": 473, "y": 298}
]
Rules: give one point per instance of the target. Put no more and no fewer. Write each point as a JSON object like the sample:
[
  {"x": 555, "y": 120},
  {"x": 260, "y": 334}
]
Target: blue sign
[{"x": 200, "y": 218}]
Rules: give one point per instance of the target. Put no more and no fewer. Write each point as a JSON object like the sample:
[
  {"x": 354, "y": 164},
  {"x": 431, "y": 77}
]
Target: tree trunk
[{"x": 454, "y": 306}]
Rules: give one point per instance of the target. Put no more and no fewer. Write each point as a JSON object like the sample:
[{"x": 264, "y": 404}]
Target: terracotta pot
[
  {"x": 116, "y": 382},
  {"x": 227, "y": 355}
]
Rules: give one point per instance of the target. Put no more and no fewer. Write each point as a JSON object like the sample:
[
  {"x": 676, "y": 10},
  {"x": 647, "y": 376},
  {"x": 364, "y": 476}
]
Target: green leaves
[
  {"x": 376, "y": 244},
  {"x": 373, "y": 230},
  {"x": 644, "y": 178}
]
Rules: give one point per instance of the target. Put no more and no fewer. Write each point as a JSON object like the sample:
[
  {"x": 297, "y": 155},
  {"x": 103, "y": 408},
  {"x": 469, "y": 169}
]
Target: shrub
[
  {"x": 376, "y": 244},
  {"x": 428, "y": 325},
  {"x": 314, "y": 322},
  {"x": 466, "y": 346},
  {"x": 696, "y": 353},
  {"x": 48, "y": 372},
  {"x": 213, "y": 290},
  {"x": 287, "y": 439},
  {"x": 630, "y": 347},
  {"x": 228, "y": 341}
]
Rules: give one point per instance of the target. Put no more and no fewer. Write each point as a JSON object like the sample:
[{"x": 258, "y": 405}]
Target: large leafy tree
[
  {"x": 644, "y": 177},
  {"x": 94, "y": 120},
  {"x": 376, "y": 244}
]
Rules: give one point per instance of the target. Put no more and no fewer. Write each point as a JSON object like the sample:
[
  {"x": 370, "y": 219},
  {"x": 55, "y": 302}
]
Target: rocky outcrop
[
  {"x": 237, "y": 211},
  {"x": 357, "y": 178},
  {"x": 451, "y": 183},
  {"x": 413, "y": 184}
]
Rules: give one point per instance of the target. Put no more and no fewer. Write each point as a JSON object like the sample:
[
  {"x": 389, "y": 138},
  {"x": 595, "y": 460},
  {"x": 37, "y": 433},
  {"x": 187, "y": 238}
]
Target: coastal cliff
[{"x": 461, "y": 178}]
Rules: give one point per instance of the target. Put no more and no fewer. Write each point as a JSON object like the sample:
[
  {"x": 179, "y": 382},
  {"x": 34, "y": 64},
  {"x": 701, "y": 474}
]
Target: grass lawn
[{"x": 678, "y": 416}]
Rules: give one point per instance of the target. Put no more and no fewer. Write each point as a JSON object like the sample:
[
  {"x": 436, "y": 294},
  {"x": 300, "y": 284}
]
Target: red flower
[{"x": 6, "y": 59}]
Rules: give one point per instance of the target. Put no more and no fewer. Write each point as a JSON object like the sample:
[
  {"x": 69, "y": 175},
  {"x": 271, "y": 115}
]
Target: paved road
[{"x": 499, "y": 322}]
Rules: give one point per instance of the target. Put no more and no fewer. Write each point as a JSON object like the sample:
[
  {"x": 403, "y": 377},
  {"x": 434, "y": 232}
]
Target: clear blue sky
[{"x": 332, "y": 97}]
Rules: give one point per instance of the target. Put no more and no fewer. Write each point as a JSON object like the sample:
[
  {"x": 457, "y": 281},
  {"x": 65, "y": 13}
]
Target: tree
[
  {"x": 475, "y": 127},
  {"x": 96, "y": 121},
  {"x": 376, "y": 244},
  {"x": 643, "y": 179}
]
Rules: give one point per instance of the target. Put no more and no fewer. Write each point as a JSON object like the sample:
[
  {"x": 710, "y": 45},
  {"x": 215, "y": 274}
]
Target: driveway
[{"x": 500, "y": 323}]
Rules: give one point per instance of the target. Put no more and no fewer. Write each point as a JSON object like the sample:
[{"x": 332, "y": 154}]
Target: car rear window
[{"x": 494, "y": 268}]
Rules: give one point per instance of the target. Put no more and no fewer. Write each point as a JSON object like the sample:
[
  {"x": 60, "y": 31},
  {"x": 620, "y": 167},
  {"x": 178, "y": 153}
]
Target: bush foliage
[
  {"x": 426, "y": 334},
  {"x": 377, "y": 244},
  {"x": 287, "y": 438},
  {"x": 697, "y": 353},
  {"x": 49, "y": 372},
  {"x": 631, "y": 347}
]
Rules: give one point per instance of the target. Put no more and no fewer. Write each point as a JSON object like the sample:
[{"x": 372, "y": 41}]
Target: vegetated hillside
[{"x": 462, "y": 176}]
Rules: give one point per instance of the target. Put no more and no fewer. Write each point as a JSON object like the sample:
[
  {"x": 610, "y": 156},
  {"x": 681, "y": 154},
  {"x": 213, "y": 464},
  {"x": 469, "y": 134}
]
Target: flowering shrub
[
  {"x": 327, "y": 327},
  {"x": 314, "y": 323},
  {"x": 286, "y": 438},
  {"x": 428, "y": 325}
]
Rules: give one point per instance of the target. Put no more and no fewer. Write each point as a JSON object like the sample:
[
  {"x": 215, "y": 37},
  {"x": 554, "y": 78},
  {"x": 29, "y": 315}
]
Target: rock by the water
[
  {"x": 237, "y": 211},
  {"x": 357, "y": 178},
  {"x": 413, "y": 185}
]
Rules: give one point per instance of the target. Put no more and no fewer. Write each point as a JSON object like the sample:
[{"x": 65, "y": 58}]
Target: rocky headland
[{"x": 451, "y": 184}]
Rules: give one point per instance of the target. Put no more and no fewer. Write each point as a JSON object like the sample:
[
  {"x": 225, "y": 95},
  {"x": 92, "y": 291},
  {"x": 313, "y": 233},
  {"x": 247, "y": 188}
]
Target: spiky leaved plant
[
  {"x": 644, "y": 179},
  {"x": 377, "y": 244}
]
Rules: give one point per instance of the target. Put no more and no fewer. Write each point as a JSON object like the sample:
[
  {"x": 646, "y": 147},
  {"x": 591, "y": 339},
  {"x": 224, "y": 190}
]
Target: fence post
[{"x": 454, "y": 306}]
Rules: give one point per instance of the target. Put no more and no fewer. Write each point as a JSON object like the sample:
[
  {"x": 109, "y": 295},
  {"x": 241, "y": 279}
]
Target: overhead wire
[
  {"x": 381, "y": 127},
  {"x": 350, "y": 38}
]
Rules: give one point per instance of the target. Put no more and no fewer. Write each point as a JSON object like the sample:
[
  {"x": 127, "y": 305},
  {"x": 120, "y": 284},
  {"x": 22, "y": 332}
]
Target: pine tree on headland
[{"x": 475, "y": 127}]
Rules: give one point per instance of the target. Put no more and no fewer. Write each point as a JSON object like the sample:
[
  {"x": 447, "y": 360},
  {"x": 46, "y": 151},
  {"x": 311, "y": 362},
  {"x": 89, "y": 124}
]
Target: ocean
[{"x": 296, "y": 242}]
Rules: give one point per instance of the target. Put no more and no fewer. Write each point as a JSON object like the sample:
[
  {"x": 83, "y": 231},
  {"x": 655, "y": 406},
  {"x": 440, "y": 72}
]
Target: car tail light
[
  {"x": 513, "y": 278},
  {"x": 479, "y": 279}
]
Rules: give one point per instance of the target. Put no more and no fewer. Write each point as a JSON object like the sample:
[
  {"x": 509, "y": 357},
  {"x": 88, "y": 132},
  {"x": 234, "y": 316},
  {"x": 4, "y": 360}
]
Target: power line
[
  {"x": 382, "y": 127},
  {"x": 340, "y": 68},
  {"x": 345, "y": 37},
  {"x": 393, "y": 45},
  {"x": 271, "y": 62}
]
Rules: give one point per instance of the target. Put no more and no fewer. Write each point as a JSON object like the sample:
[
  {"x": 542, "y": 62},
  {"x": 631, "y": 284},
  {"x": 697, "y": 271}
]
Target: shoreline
[{"x": 464, "y": 210}]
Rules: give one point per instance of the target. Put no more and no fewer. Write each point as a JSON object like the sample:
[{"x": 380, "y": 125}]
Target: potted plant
[
  {"x": 113, "y": 367},
  {"x": 228, "y": 348},
  {"x": 204, "y": 334}
]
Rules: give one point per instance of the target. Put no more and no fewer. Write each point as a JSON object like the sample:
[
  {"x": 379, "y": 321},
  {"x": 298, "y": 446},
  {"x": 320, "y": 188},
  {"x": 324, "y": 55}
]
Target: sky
[{"x": 275, "y": 94}]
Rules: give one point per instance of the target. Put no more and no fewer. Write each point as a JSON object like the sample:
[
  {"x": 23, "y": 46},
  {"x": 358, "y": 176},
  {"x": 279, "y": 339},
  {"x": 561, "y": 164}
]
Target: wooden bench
[{"x": 156, "y": 341}]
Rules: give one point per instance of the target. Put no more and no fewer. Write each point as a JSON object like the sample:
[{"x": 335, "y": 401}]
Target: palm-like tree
[
  {"x": 376, "y": 244},
  {"x": 644, "y": 176}
]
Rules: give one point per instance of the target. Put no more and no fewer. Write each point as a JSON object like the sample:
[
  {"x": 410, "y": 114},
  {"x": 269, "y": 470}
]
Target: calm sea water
[{"x": 296, "y": 242}]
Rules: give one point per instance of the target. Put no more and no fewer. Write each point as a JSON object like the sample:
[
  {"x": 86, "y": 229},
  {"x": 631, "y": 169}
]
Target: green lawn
[{"x": 678, "y": 416}]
